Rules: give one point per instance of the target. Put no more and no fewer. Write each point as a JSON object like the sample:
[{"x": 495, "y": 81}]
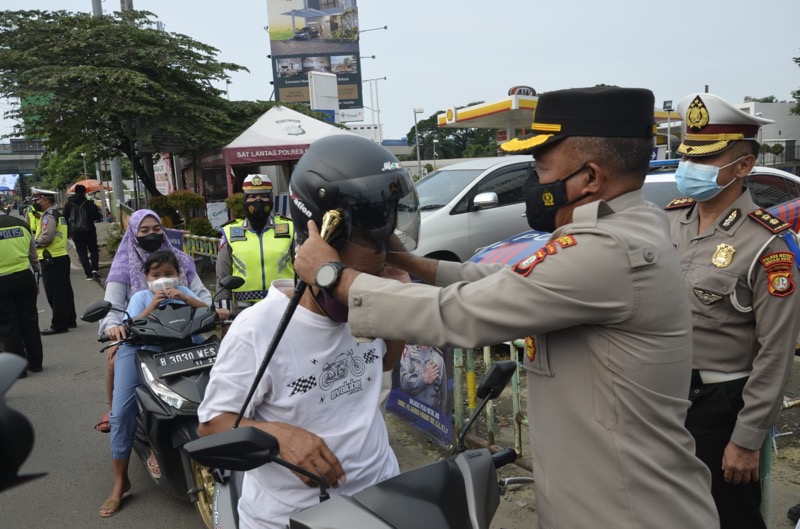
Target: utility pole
[{"x": 97, "y": 8}]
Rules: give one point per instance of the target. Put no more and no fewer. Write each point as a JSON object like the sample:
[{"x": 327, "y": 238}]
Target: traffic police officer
[
  {"x": 19, "y": 288},
  {"x": 256, "y": 248},
  {"x": 51, "y": 246},
  {"x": 609, "y": 349},
  {"x": 739, "y": 273}
]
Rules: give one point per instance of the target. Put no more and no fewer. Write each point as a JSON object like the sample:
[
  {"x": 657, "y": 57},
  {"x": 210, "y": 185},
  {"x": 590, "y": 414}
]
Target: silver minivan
[{"x": 469, "y": 205}]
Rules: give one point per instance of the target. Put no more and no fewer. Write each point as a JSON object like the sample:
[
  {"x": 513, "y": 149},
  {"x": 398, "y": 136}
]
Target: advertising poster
[
  {"x": 217, "y": 213},
  {"x": 8, "y": 181},
  {"x": 314, "y": 36},
  {"x": 175, "y": 238},
  {"x": 422, "y": 389}
]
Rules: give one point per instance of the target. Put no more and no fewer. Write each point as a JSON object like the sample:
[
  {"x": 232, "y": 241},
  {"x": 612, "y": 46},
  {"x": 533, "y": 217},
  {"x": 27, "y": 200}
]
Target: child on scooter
[{"x": 162, "y": 271}]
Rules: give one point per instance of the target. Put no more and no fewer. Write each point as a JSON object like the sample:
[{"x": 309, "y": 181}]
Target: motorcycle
[
  {"x": 173, "y": 381},
  {"x": 461, "y": 491}
]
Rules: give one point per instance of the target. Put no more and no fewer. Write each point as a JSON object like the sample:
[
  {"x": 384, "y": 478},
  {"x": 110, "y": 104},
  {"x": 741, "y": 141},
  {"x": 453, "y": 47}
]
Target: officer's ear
[
  {"x": 594, "y": 180},
  {"x": 745, "y": 165}
]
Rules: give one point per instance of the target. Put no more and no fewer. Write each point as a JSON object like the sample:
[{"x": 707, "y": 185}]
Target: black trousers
[
  {"x": 88, "y": 253},
  {"x": 711, "y": 420},
  {"x": 58, "y": 289},
  {"x": 19, "y": 319}
]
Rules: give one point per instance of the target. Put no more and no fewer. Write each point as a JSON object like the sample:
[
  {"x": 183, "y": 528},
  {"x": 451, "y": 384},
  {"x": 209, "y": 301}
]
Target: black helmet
[{"x": 364, "y": 180}]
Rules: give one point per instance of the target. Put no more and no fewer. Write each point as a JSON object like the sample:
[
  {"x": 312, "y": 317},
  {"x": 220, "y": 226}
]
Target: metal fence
[{"x": 198, "y": 246}]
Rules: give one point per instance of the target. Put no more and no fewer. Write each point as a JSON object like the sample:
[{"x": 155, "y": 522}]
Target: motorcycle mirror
[
  {"x": 16, "y": 432},
  {"x": 496, "y": 379},
  {"x": 239, "y": 449},
  {"x": 96, "y": 311},
  {"x": 491, "y": 386},
  {"x": 231, "y": 282}
]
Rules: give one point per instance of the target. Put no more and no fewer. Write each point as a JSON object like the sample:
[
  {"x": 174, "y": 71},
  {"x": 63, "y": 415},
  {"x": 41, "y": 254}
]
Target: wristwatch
[{"x": 328, "y": 276}]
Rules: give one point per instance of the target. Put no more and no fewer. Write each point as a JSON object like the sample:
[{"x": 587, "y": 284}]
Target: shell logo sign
[{"x": 450, "y": 115}]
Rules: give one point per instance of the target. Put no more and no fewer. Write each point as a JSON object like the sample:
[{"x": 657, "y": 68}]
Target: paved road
[{"x": 63, "y": 403}]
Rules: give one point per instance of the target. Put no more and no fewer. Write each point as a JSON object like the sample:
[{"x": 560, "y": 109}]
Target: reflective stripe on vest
[
  {"x": 58, "y": 246},
  {"x": 259, "y": 260},
  {"x": 15, "y": 243}
]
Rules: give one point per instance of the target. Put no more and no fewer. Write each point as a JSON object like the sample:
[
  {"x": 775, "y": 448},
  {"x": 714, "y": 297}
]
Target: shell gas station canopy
[{"x": 514, "y": 113}]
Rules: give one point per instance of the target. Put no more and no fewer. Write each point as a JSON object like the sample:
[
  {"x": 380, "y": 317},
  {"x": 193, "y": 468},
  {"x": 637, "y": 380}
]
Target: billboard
[{"x": 315, "y": 36}]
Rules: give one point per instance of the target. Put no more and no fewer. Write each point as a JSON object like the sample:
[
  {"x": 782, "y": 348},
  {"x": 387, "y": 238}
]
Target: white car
[{"x": 469, "y": 205}]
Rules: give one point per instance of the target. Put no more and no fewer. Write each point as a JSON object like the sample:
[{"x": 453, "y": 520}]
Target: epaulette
[
  {"x": 771, "y": 222},
  {"x": 680, "y": 203},
  {"x": 232, "y": 221},
  {"x": 283, "y": 218}
]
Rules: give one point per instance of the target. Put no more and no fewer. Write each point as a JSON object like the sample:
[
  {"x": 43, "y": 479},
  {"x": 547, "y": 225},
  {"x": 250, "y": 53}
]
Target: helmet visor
[{"x": 380, "y": 205}]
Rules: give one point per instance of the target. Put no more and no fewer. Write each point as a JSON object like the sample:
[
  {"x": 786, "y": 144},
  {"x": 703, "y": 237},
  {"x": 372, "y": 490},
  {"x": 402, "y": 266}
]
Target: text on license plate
[{"x": 199, "y": 356}]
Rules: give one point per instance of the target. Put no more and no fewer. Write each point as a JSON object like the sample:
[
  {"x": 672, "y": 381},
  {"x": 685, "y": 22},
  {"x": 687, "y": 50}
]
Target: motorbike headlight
[{"x": 166, "y": 394}]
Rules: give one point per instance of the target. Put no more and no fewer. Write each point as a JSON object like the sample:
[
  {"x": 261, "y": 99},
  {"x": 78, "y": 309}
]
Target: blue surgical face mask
[{"x": 699, "y": 181}]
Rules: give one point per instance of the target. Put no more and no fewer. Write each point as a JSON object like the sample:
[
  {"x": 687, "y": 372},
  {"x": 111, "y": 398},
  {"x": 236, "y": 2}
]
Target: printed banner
[
  {"x": 175, "y": 238},
  {"x": 315, "y": 36},
  {"x": 422, "y": 389}
]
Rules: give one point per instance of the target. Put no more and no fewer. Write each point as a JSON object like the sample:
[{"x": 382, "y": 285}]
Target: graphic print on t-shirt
[{"x": 343, "y": 372}]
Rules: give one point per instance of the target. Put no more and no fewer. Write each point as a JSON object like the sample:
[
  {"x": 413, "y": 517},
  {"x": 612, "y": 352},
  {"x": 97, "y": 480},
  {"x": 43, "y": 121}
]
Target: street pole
[
  {"x": 669, "y": 135},
  {"x": 416, "y": 140},
  {"x": 83, "y": 155},
  {"x": 435, "y": 141},
  {"x": 97, "y": 8}
]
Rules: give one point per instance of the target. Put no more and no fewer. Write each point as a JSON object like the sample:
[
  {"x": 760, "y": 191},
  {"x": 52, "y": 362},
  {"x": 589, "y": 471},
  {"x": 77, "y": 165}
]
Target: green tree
[
  {"x": 115, "y": 83},
  {"x": 767, "y": 99},
  {"x": 453, "y": 143}
]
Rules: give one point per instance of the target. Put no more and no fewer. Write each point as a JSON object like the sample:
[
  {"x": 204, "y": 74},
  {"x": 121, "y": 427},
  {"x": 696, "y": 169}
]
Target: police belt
[{"x": 706, "y": 376}]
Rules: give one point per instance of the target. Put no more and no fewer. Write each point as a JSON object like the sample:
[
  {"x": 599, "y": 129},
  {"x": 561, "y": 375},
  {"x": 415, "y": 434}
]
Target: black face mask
[
  {"x": 151, "y": 243},
  {"x": 543, "y": 200},
  {"x": 331, "y": 306},
  {"x": 37, "y": 206},
  {"x": 258, "y": 211}
]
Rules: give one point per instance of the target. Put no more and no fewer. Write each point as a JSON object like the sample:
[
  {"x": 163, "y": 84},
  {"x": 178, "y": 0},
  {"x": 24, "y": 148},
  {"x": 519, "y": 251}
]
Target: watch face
[{"x": 326, "y": 275}]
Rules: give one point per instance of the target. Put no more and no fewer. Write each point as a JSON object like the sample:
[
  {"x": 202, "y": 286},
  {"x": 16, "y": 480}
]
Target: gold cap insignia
[
  {"x": 547, "y": 199},
  {"x": 697, "y": 114},
  {"x": 723, "y": 256},
  {"x": 256, "y": 181}
]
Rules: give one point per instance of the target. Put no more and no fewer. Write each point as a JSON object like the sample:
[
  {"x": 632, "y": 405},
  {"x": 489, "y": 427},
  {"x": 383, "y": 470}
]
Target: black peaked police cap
[{"x": 600, "y": 111}]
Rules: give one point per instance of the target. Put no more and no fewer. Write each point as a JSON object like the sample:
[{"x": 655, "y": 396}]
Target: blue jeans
[{"x": 123, "y": 405}]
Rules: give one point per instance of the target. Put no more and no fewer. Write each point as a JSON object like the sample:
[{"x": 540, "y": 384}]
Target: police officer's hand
[
  {"x": 117, "y": 333},
  {"x": 740, "y": 465},
  {"x": 312, "y": 254},
  {"x": 223, "y": 314},
  {"x": 431, "y": 373},
  {"x": 308, "y": 451}
]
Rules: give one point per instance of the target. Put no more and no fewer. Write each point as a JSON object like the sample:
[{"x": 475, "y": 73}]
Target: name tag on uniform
[
  {"x": 281, "y": 231},
  {"x": 237, "y": 234}
]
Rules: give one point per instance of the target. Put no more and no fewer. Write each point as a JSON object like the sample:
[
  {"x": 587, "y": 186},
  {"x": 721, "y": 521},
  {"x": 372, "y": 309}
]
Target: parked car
[
  {"x": 307, "y": 33},
  {"x": 777, "y": 190},
  {"x": 469, "y": 205}
]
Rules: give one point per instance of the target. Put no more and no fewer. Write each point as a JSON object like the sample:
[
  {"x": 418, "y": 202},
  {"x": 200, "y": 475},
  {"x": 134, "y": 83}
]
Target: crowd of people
[{"x": 663, "y": 340}]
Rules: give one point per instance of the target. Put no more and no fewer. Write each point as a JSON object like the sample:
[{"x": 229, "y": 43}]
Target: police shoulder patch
[
  {"x": 526, "y": 266},
  {"x": 771, "y": 222},
  {"x": 679, "y": 203}
]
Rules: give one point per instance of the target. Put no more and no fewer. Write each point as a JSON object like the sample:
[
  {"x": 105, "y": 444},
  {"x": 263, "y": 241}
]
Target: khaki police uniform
[
  {"x": 19, "y": 277},
  {"x": 51, "y": 245},
  {"x": 608, "y": 358},
  {"x": 739, "y": 275}
]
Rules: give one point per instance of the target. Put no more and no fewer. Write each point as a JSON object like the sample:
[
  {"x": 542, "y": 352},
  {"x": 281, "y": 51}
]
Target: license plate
[{"x": 185, "y": 360}]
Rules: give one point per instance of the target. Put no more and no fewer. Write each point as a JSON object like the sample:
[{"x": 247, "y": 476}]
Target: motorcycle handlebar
[{"x": 504, "y": 457}]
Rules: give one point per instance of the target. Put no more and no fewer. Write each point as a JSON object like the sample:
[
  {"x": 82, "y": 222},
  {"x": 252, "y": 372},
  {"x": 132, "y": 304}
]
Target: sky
[{"x": 437, "y": 54}]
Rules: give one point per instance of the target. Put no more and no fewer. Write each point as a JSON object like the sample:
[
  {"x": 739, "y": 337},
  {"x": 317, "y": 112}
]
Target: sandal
[
  {"x": 113, "y": 506},
  {"x": 103, "y": 425},
  {"x": 152, "y": 467}
]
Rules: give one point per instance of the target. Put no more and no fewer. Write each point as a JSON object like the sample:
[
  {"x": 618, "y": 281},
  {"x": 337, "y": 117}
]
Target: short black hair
[
  {"x": 161, "y": 257},
  {"x": 628, "y": 157}
]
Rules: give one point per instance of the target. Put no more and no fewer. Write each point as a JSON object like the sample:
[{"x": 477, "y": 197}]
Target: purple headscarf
[{"x": 130, "y": 257}]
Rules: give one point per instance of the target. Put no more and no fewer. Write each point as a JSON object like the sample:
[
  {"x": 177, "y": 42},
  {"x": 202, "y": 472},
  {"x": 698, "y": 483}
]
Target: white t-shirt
[{"x": 319, "y": 379}]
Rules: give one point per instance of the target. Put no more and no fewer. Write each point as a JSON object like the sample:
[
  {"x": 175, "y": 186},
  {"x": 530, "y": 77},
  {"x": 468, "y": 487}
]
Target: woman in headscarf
[{"x": 144, "y": 236}]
